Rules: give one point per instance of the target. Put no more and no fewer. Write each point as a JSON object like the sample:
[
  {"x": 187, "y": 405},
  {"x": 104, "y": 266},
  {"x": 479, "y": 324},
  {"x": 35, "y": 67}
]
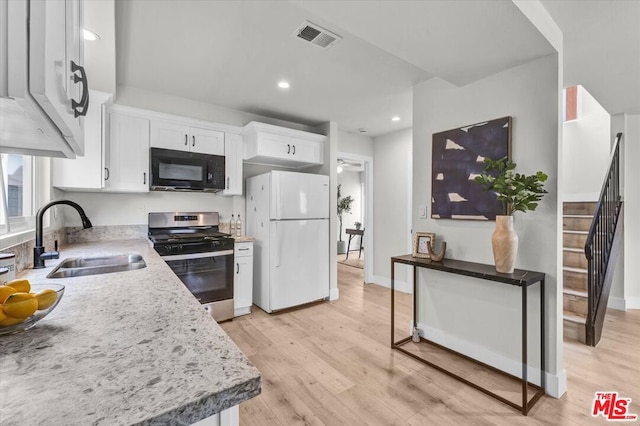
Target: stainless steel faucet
[{"x": 39, "y": 255}]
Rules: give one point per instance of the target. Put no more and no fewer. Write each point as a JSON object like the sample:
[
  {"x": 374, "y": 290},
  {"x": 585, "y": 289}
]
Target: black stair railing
[{"x": 601, "y": 238}]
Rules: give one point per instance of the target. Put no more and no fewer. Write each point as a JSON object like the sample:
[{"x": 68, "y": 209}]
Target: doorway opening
[{"x": 355, "y": 239}]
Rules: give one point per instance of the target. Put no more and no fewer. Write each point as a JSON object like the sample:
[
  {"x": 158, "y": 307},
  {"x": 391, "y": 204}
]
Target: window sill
[{"x": 15, "y": 238}]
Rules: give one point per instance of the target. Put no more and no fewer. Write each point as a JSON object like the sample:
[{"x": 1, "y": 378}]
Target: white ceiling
[
  {"x": 602, "y": 49},
  {"x": 232, "y": 53}
]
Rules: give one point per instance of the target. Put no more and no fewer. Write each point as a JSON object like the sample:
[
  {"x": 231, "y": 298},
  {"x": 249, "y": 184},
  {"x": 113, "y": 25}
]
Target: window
[{"x": 20, "y": 191}]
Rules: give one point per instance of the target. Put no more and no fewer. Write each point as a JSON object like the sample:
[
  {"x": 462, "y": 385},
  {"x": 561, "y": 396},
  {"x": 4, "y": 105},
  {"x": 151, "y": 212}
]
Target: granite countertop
[
  {"x": 123, "y": 348},
  {"x": 244, "y": 239}
]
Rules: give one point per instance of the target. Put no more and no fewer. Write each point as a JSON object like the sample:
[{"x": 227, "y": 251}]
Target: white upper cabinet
[
  {"x": 91, "y": 172},
  {"x": 46, "y": 95},
  {"x": 174, "y": 135},
  {"x": 128, "y": 153},
  {"x": 233, "y": 147},
  {"x": 280, "y": 146}
]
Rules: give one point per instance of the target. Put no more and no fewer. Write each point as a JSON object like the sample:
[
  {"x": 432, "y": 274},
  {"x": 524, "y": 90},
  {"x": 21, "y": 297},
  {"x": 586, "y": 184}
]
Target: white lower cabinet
[
  {"x": 243, "y": 278},
  {"x": 228, "y": 417}
]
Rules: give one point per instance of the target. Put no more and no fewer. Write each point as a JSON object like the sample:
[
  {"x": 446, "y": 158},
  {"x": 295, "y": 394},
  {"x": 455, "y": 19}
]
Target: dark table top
[
  {"x": 519, "y": 277},
  {"x": 354, "y": 231}
]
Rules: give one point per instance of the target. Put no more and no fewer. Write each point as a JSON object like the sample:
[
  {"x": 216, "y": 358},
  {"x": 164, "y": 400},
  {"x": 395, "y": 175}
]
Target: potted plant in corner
[
  {"x": 518, "y": 193},
  {"x": 344, "y": 206}
]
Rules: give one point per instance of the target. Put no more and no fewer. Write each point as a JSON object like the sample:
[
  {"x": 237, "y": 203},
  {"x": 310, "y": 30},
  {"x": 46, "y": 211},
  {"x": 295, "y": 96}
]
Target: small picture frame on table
[{"x": 420, "y": 242}]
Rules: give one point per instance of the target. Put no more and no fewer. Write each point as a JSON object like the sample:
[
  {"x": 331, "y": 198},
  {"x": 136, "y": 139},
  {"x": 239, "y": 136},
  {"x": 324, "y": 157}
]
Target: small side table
[
  {"x": 352, "y": 233},
  {"x": 520, "y": 278}
]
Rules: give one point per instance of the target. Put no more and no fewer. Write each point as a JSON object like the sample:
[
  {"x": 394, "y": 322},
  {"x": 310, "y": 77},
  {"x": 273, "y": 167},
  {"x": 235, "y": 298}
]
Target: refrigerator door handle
[{"x": 277, "y": 246}]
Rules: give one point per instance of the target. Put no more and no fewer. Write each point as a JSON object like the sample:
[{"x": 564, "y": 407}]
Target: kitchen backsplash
[
  {"x": 71, "y": 235},
  {"x": 24, "y": 251},
  {"x": 77, "y": 234}
]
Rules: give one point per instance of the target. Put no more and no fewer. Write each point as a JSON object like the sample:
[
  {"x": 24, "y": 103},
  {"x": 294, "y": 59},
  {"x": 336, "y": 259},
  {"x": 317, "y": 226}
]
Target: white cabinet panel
[
  {"x": 128, "y": 153},
  {"x": 243, "y": 278},
  {"x": 233, "y": 164},
  {"x": 169, "y": 135},
  {"x": 182, "y": 137},
  {"x": 279, "y": 146},
  {"x": 42, "y": 78},
  {"x": 56, "y": 76},
  {"x": 87, "y": 173},
  {"x": 206, "y": 141}
]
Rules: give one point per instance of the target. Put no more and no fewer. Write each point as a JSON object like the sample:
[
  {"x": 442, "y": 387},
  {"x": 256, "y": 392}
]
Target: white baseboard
[
  {"x": 632, "y": 302},
  {"x": 555, "y": 385},
  {"x": 334, "y": 294},
  {"x": 242, "y": 311},
  {"x": 402, "y": 286},
  {"x": 617, "y": 303}
]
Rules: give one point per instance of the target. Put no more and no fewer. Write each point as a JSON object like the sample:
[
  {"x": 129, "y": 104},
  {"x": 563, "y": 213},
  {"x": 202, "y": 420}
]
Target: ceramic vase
[{"x": 505, "y": 244}]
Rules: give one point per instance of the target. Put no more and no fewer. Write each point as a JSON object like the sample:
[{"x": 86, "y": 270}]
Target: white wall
[
  {"x": 392, "y": 171},
  {"x": 154, "y": 101},
  {"x": 352, "y": 184},
  {"x": 355, "y": 143},
  {"x": 632, "y": 212},
  {"x": 626, "y": 281},
  {"x": 106, "y": 209},
  {"x": 586, "y": 150},
  {"x": 479, "y": 317}
]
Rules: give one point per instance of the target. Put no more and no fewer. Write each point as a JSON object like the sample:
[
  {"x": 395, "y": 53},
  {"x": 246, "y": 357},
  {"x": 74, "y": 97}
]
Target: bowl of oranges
[{"x": 23, "y": 304}]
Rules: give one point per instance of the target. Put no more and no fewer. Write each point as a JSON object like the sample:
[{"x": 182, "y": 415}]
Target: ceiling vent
[{"x": 317, "y": 35}]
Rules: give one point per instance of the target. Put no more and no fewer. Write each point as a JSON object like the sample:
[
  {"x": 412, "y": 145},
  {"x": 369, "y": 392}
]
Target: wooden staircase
[{"x": 577, "y": 218}]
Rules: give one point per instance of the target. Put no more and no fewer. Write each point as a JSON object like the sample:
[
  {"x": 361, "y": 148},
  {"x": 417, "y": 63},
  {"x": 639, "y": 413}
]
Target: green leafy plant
[
  {"x": 344, "y": 206},
  {"x": 358, "y": 225},
  {"x": 518, "y": 192}
]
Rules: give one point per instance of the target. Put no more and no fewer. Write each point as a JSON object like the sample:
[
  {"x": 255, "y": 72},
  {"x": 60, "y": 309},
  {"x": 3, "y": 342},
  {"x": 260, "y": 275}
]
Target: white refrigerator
[{"x": 288, "y": 215}]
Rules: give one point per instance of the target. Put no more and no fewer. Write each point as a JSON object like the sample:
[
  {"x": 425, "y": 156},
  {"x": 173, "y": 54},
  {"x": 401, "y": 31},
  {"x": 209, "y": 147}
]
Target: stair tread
[
  {"x": 578, "y": 293},
  {"x": 573, "y": 249},
  {"x": 576, "y": 270},
  {"x": 575, "y": 317},
  {"x": 568, "y": 231},
  {"x": 579, "y": 216}
]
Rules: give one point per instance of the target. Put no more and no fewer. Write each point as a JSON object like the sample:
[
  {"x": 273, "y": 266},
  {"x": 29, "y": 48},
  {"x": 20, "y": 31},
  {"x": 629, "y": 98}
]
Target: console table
[
  {"x": 352, "y": 233},
  {"x": 520, "y": 278}
]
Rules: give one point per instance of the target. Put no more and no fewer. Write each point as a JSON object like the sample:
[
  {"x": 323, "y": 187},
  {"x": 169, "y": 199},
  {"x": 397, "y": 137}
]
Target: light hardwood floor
[{"x": 331, "y": 364}]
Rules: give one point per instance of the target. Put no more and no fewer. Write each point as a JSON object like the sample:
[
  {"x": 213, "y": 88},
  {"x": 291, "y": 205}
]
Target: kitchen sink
[{"x": 83, "y": 266}]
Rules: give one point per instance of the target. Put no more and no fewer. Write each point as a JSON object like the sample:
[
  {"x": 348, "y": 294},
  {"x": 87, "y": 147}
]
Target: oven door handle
[{"x": 198, "y": 255}]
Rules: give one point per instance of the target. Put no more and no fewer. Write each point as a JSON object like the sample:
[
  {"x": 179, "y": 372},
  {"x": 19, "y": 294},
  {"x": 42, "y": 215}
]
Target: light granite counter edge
[{"x": 179, "y": 364}]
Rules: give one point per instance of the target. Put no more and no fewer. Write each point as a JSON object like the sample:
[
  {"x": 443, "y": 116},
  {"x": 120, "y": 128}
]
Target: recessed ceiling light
[
  {"x": 340, "y": 169},
  {"x": 90, "y": 35},
  {"x": 284, "y": 84},
  {"x": 395, "y": 118}
]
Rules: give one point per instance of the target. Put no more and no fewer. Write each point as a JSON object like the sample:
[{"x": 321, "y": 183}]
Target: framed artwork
[
  {"x": 458, "y": 157},
  {"x": 420, "y": 242}
]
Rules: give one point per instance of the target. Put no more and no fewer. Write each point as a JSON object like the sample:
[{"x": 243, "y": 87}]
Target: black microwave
[{"x": 186, "y": 171}]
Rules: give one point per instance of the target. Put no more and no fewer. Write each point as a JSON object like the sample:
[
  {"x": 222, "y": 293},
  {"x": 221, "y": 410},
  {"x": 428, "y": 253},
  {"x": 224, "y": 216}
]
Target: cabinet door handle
[
  {"x": 237, "y": 268},
  {"x": 288, "y": 149},
  {"x": 194, "y": 141},
  {"x": 106, "y": 173},
  {"x": 227, "y": 182},
  {"x": 243, "y": 249},
  {"x": 84, "y": 100},
  {"x": 186, "y": 140},
  {"x": 294, "y": 150},
  {"x": 144, "y": 178}
]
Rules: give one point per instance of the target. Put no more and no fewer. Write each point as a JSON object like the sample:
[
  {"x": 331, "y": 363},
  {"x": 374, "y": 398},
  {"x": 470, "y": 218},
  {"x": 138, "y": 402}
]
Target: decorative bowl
[{"x": 30, "y": 321}]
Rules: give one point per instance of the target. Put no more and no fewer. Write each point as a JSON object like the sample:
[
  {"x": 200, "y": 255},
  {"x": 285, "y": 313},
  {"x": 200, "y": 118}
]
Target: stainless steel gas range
[{"x": 199, "y": 254}]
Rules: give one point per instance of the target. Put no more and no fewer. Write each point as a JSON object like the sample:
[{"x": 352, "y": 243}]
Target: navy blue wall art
[{"x": 458, "y": 156}]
